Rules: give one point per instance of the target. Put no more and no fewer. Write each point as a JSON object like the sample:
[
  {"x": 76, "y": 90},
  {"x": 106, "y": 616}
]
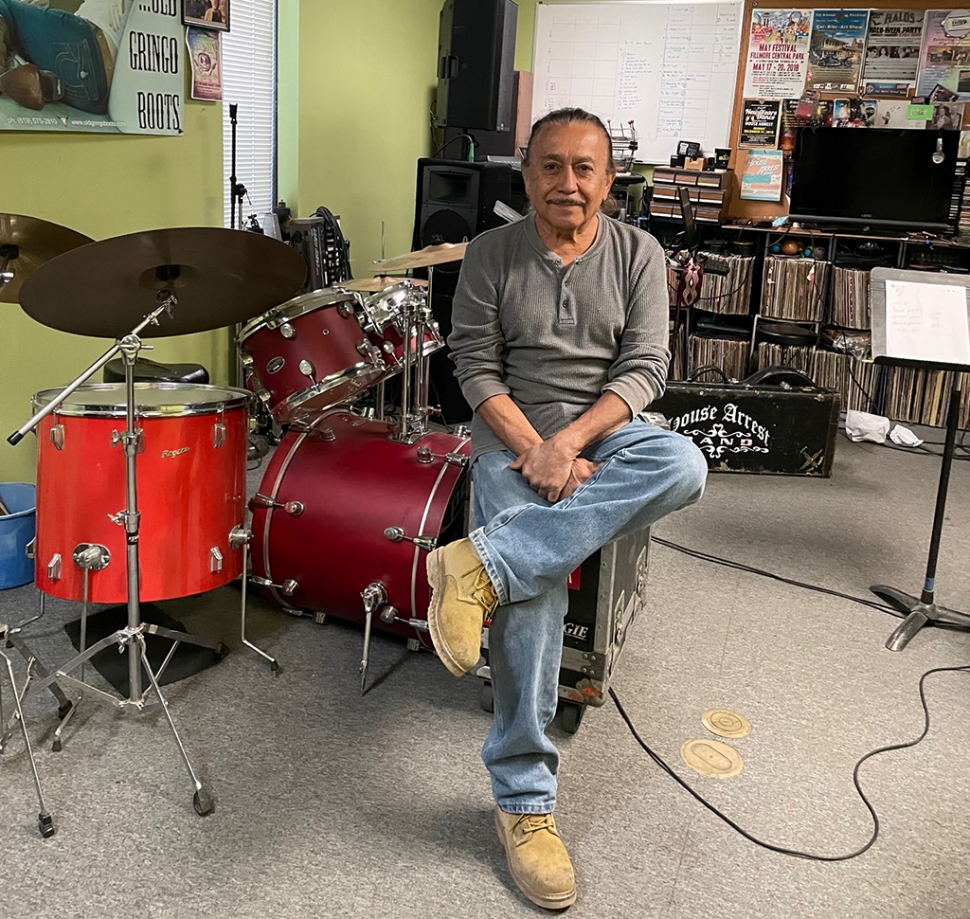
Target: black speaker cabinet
[
  {"x": 476, "y": 47},
  {"x": 454, "y": 202}
]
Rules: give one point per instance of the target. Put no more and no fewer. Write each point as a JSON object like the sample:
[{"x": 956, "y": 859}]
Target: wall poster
[
  {"x": 944, "y": 74},
  {"x": 760, "y": 119},
  {"x": 777, "y": 53},
  {"x": 763, "y": 175},
  {"x": 100, "y": 66},
  {"x": 892, "y": 51},
  {"x": 205, "y": 56},
  {"x": 835, "y": 59}
]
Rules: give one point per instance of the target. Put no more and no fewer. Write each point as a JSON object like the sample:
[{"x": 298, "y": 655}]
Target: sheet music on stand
[{"x": 921, "y": 318}]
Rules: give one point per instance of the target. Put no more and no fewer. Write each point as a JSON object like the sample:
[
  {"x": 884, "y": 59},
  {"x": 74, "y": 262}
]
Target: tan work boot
[
  {"x": 461, "y": 596},
  {"x": 537, "y": 858}
]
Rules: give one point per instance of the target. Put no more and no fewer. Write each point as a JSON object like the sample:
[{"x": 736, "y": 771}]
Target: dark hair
[{"x": 572, "y": 116}]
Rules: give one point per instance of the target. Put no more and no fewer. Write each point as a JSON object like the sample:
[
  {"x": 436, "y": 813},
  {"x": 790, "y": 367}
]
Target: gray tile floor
[{"x": 333, "y": 804}]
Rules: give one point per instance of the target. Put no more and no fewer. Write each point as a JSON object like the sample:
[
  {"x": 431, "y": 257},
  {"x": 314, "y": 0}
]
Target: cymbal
[
  {"x": 28, "y": 243},
  {"x": 220, "y": 277},
  {"x": 381, "y": 282},
  {"x": 423, "y": 258}
]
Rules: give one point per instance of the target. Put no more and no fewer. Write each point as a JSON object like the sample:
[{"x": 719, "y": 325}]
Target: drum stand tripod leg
[
  {"x": 58, "y": 743},
  {"x": 364, "y": 658},
  {"x": 201, "y": 800},
  {"x": 274, "y": 664},
  {"x": 45, "y": 821}
]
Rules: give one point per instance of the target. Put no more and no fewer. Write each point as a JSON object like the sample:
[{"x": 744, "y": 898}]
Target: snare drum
[
  {"x": 383, "y": 314},
  {"x": 310, "y": 354},
  {"x": 191, "y": 479},
  {"x": 341, "y": 508}
]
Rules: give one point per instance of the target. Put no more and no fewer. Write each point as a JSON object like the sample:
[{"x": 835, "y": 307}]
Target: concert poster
[
  {"x": 893, "y": 51},
  {"x": 205, "y": 56},
  {"x": 92, "y": 66},
  {"x": 837, "y": 44},
  {"x": 778, "y": 44},
  {"x": 762, "y": 177},
  {"x": 944, "y": 74},
  {"x": 760, "y": 119}
]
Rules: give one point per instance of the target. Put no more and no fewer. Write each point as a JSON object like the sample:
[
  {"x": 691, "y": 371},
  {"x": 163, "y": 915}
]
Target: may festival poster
[
  {"x": 109, "y": 67},
  {"x": 835, "y": 59},
  {"x": 778, "y": 46},
  {"x": 944, "y": 74},
  {"x": 892, "y": 52}
]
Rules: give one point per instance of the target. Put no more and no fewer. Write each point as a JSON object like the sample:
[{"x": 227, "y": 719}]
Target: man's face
[{"x": 567, "y": 178}]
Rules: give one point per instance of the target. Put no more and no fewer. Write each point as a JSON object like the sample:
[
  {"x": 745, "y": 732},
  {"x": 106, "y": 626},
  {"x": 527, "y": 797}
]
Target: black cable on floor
[
  {"x": 796, "y": 853},
  {"x": 750, "y": 569}
]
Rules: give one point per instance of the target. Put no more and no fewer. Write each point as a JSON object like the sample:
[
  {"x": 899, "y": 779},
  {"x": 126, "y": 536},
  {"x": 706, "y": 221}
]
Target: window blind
[{"x": 249, "y": 81}]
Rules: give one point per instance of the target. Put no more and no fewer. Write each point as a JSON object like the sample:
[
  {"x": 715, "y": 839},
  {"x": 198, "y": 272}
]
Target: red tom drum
[
  {"x": 383, "y": 321},
  {"x": 191, "y": 478},
  {"x": 310, "y": 353},
  {"x": 338, "y": 508}
]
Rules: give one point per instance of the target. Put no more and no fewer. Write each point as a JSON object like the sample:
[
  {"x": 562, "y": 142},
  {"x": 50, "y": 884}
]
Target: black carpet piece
[{"x": 188, "y": 659}]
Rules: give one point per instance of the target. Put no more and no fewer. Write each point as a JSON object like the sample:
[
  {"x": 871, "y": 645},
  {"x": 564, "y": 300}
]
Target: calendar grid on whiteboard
[{"x": 671, "y": 67}]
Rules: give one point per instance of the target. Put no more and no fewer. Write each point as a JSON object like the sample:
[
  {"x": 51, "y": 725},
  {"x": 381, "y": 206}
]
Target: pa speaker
[
  {"x": 476, "y": 48},
  {"x": 455, "y": 202}
]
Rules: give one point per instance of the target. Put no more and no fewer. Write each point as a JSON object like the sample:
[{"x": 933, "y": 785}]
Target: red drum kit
[{"x": 140, "y": 486}]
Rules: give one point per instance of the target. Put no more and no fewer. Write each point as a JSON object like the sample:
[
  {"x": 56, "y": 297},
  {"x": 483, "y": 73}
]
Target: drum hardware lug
[
  {"x": 123, "y": 437},
  {"x": 287, "y": 330},
  {"x": 275, "y": 364},
  {"x": 320, "y": 618},
  {"x": 54, "y": 567},
  {"x": 345, "y": 309},
  {"x": 388, "y": 347},
  {"x": 325, "y": 434},
  {"x": 287, "y": 588},
  {"x": 307, "y": 369},
  {"x": 374, "y": 596},
  {"x": 239, "y": 536},
  {"x": 397, "y": 534},
  {"x": 30, "y": 548},
  {"x": 264, "y": 396},
  {"x": 295, "y": 508},
  {"x": 247, "y": 360},
  {"x": 390, "y": 615},
  {"x": 462, "y": 430},
  {"x": 215, "y": 560},
  {"x": 454, "y": 459},
  {"x": 91, "y": 556},
  {"x": 57, "y": 436}
]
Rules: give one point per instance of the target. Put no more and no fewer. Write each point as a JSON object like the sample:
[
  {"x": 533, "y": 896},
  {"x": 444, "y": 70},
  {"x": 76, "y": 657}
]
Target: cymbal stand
[
  {"x": 412, "y": 423},
  {"x": 45, "y": 821},
  {"x": 132, "y": 637}
]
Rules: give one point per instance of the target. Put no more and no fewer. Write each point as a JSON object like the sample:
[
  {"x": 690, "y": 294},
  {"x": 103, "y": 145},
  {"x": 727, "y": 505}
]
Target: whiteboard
[{"x": 671, "y": 67}]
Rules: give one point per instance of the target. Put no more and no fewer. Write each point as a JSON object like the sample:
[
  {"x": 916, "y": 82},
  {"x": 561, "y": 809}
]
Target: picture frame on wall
[{"x": 206, "y": 14}]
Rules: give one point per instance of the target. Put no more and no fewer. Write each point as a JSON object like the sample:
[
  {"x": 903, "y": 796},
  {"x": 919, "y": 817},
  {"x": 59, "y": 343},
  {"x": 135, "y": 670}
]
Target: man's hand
[
  {"x": 547, "y": 468},
  {"x": 582, "y": 469}
]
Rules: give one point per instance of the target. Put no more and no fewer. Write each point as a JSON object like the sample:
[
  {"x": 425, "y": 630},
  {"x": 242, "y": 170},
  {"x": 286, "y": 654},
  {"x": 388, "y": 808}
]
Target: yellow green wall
[
  {"x": 101, "y": 186},
  {"x": 366, "y": 75}
]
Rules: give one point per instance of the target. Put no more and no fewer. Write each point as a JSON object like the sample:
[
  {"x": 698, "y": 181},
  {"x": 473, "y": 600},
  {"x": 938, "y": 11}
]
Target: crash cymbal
[
  {"x": 423, "y": 258},
  {"x": 26, "y": 243},
  {"x": 220, "y": 277},
  {"x": 381, "y": 282}
]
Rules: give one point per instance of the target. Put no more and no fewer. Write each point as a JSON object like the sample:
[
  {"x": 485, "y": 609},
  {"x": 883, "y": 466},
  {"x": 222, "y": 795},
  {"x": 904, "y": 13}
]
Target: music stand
[{"x": 923, "y": 609}]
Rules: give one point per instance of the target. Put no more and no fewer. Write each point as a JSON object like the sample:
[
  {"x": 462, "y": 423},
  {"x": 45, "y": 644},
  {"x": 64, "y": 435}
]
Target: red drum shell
[
  {"x": 383, "y": 322},
  {"x": 352, "y": 489},
  {"x": 190, "y": 492},
  {"x": 322, "y": 329}
]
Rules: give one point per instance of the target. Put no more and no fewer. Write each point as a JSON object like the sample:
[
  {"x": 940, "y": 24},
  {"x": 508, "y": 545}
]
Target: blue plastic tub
[{"x": 16, "y": 531}]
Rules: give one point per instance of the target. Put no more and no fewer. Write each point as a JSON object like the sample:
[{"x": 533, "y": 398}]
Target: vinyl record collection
[
  {"x": 844, "y": 373},
  {"x": 919, "y": 396},
  {"x": 730, "y": 291},
  {"x": 730, "y": 356},
  {"x": 793, "y": 288},
  {"x": 849, "y": 306}
]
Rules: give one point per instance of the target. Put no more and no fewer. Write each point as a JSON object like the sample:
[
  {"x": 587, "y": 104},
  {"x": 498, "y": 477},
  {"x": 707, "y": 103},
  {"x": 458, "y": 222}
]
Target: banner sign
[{"x": 98, "y": 66}]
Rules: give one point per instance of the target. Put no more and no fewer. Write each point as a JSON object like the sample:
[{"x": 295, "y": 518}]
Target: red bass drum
[
  {"x": 342, "y": 508},
  {"x": 191, "y": 478}
]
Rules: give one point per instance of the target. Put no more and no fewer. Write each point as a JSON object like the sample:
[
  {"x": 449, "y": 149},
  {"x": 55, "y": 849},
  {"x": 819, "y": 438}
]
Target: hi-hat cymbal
[
  {"x": 423, "y": 258},
  {"x": 26, "y": 243},
  {"x": 220, "y": 277},
  {"x": 381, "y": 282}
]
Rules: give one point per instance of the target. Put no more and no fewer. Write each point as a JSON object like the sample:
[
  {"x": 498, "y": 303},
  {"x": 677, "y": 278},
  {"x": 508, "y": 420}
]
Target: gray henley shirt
[{"x": 553, "y": 338}]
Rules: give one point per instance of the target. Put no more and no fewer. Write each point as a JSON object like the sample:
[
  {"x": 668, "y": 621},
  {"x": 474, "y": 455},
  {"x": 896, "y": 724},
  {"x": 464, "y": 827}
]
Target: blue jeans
[
  {"x": 529, "y": 547},
  {"x": 64, "y": 44}
]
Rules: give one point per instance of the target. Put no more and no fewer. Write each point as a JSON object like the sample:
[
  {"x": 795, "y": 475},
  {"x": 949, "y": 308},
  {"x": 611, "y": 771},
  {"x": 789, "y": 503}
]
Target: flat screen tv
[{"x": 881, "y": 177}]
